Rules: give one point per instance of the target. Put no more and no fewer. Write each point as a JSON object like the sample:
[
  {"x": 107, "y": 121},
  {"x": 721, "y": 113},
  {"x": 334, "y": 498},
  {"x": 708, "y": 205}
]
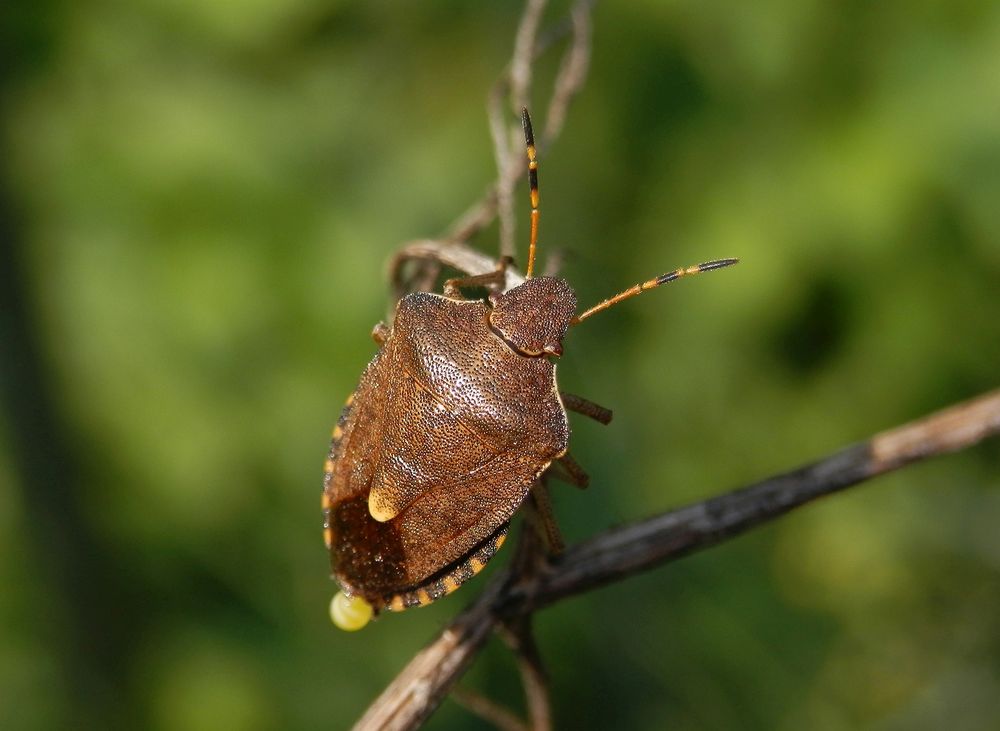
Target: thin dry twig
[
  {"x": 521, "y": 68},
  {"x": 534, "y": 579},
  {"x": 507, "y": 173},
  {"x": 514, "y": 84},
  {"x": 487, "y": 710},
  {"x": 625, "y": 551},
  {"x": 518, "y": 81},
  {"x": 518, "y": 635},
  {"x": 457, "y": 256},
  {"x": 572, "y": 74},
  {"x": 520, "y": 638}
]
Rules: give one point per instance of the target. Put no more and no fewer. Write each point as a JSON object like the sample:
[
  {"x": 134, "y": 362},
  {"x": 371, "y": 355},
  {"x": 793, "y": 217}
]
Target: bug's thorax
[{"x": 533, "y": 317}]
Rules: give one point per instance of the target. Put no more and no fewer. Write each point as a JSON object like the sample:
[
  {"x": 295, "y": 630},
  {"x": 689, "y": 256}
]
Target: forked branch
[
  {"x": 509, "y": 94},
  {"x": 625, "y": 551},
  {"x": 534, "y": 580}
]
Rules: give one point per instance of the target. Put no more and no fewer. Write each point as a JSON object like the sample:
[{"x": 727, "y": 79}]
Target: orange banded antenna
[
  {"x": 529, "y": 142},
  {"x": 707, "y": 266}
]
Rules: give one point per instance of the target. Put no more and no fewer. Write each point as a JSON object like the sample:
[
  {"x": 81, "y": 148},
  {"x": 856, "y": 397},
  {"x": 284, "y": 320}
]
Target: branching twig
[
  {"x": 625, "y": 551},
  {"x": 514, "y": 84},
  {"x": 534, "y": 580},
  {"x": 521, "y": 639},
  {"x": 456, "y": 256},
  {"x": 518, "y": 81},
  {"x": 572, "y": 74},
  {"x": 487, "y": 710}
]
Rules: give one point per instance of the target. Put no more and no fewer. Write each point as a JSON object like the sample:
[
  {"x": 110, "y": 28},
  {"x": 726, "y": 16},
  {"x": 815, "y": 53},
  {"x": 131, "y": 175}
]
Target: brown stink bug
[{"x": 454, "y": 420}]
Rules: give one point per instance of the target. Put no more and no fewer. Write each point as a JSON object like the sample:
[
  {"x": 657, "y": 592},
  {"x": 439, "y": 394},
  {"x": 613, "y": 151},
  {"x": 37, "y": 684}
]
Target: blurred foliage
[{"x": 198, "y": 203}]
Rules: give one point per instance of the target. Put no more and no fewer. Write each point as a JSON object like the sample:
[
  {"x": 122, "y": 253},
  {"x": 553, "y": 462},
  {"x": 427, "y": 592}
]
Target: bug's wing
[
  {"x": 447, "y": 485},
  {"x": 455, "y": 413},
  {"x": 443, "y": 484},
  {"x": 426, "y": 445},
  {"x": 380, "y": 560},
  {"x": 355, "y": 445},
  {"x": 443, "y": 523}
]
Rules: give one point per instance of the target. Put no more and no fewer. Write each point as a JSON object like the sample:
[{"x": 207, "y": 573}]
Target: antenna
[
  {"x": 708, "y": 266},
  {"x": 529, "y": 141}
]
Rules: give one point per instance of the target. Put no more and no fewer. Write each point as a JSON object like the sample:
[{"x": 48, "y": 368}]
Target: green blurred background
[{"x": 197, "y": 203}]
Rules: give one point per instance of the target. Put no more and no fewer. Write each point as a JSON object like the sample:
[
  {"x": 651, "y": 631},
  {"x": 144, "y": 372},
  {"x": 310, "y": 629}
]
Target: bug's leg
[
  {"x": 588, "y": 408},
  {"x": 380, "y": 333},
  {"x": 543, "y": 509},
  {"x": 498, "y": 277},
  {"x": 569, "y": 470}
]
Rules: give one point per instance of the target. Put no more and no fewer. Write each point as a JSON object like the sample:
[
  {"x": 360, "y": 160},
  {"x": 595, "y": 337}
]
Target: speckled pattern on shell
[{"x": 447, "y": 431}]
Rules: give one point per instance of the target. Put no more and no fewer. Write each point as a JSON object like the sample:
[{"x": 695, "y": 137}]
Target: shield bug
[{"x": 454, "y": 420}]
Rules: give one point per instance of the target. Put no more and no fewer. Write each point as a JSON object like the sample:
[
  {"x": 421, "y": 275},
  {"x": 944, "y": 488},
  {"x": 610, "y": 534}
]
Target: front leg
[
  {"x": 380, "y": 333},
  {"x": 498, "y": 277}
]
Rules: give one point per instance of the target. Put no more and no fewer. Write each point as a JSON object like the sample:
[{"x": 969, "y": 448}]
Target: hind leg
[
  {"x": 380, "y": 333},
  {"x": 546, "y": 523}
]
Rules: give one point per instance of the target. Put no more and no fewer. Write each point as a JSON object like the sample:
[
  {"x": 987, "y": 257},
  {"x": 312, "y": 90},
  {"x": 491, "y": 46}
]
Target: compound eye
[{"x": 553, "y": 349}]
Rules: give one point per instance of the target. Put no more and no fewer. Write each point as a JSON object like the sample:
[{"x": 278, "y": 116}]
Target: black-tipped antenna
[
  {"x": 708, "y": 266},
  {"x": 529, "y": 141}
]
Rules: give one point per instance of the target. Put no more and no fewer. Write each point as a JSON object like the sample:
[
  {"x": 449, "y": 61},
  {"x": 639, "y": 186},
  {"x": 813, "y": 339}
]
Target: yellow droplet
[{"x": 350, "y": 613}]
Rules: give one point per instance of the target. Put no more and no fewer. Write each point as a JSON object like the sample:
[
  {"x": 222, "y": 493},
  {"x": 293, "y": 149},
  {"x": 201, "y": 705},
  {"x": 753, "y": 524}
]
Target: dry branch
[
  {"x": 625, "y": 551},
  {"x": 533, "y": 579},
  {"x": 510, "y": 92}
]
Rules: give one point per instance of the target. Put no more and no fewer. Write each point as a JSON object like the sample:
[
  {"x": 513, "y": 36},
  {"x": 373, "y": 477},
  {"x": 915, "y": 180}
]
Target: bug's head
[{"x": 534, "y": 317}]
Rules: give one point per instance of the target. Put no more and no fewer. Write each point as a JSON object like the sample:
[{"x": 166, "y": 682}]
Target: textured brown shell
[{"x": 444, "y": 436}]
